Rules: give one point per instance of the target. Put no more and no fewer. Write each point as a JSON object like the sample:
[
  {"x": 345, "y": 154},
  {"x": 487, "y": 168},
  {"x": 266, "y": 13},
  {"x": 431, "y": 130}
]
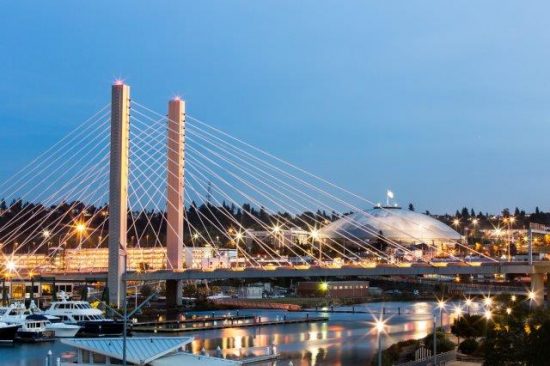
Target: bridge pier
[
  {"x": 537, "y": 289},
  {"x": 118, "y": 190},
  {"x": 175, "y": 197}
]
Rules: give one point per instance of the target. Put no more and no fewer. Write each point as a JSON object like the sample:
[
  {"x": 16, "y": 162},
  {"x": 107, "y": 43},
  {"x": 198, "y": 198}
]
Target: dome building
[{"x": 393, "y": 223}]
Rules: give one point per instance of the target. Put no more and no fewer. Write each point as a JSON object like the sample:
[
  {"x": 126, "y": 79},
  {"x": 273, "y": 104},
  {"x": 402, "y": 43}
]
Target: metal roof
[
  {"x": 139, "y": 350},
  {"x": 394, "y": 223}
]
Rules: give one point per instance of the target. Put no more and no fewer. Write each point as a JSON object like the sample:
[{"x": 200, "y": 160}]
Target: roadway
[{"x": 447, "y": 269}]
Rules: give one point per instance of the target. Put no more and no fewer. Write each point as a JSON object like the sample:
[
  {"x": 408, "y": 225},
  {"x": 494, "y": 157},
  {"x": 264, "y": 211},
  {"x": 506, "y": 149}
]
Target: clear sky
[{"x": 446, "y": 102}]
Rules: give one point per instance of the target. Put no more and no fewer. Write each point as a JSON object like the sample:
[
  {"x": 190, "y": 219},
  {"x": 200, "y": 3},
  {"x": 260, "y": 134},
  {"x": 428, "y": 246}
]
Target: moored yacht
[
  {"x": 33, "y": 329},
  {"x": 8, "y": 331},
  {"x": 55, "y": 324},
  {"x": 81, "y": 313},
  {"x": 30, "y": 327}
]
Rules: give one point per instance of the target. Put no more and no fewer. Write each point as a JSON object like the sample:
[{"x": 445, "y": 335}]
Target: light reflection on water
[{"x": 346, "y": 339}]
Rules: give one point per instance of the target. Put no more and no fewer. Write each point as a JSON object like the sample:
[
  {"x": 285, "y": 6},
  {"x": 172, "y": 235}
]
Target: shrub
[{"x": 468, "y": 346}]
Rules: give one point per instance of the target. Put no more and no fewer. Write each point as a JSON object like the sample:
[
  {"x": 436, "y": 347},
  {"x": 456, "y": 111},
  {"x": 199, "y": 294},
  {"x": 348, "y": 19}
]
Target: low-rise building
[{"x": 342, "y": 289}]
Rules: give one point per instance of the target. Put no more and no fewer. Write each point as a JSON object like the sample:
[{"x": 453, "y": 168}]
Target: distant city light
[
  {"x": 80, "y": 228},
  {"x": 46, "y": 234},
  {"x": 488, "y": 314},
  {"x": 11, "y": 266},
  {"x": 314, "y": 233}
]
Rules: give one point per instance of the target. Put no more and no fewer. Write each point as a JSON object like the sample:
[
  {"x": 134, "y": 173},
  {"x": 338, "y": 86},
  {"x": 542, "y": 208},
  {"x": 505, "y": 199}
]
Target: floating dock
[{"x": 224, "y": 324}]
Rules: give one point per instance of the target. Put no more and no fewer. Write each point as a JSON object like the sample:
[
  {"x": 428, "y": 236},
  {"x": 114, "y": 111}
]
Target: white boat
[
  {"x": 91, "y": 321},
  {"x": 33, "y": 329},
  {"x": 55, "y": 324},
  {"x": 62, "y": 330}
]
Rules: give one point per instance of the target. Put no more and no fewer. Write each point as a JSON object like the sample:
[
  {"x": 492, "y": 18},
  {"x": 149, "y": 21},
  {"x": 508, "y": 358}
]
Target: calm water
[{"x": 345, "y": 339}]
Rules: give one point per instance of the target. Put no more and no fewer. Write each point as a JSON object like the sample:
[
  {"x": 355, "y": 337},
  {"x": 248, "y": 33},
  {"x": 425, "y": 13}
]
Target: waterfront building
[{"x": 335, "y": 289}]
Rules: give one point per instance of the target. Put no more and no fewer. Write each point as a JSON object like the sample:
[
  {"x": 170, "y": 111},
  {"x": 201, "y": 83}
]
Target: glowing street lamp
[
  {"x": 531, "y": 295},
  {"x": 314, "y": 235},
  {"x": 513, "y": 298},
  {"x": 488, "y": 315},
  {"x": 458, "y": 311},
  {"x": 380, "y": 327},
  {"x": 468, "y": 303},
  {"x": 508, "y": 311},
  {"x": 488, "y": 301},
  {"x": 46, "y": 234},
  {"x": 441, "y": 306},
  {"x": 80, "y": 228}
]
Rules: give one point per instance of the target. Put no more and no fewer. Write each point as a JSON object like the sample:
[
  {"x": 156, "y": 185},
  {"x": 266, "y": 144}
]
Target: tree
[{"x": 468, "y": 326}]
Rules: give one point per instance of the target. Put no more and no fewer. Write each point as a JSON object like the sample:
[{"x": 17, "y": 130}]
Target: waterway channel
[{"x": 347, "y": 338}]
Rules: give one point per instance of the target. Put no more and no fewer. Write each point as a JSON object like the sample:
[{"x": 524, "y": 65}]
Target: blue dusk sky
[{"x": 445, "y": 102}]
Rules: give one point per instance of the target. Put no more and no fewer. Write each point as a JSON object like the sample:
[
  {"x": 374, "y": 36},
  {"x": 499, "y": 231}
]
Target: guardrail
[{"x": 440, "y": 359}]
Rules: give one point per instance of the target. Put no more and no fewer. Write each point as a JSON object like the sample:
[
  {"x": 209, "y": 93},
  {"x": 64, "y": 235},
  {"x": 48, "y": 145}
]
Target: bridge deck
[{"x": 450, "y": 269}]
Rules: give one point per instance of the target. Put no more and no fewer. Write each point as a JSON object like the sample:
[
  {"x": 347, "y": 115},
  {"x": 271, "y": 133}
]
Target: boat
[
  {"x": 33, "y": 330},
  {"x": 55, "y": 324},
  {"x": 91, "y": 321},
  {"x": 8, "y": 331}
]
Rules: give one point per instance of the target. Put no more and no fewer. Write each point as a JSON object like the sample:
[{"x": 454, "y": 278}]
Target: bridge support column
[
  {"x": 537, "y": 289},
  {"x": 118, "y": 190},
  {"x": 175, "y": 197}
]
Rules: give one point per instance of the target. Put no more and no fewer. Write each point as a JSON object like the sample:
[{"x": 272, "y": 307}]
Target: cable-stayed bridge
[{"x": 131, "y": 192}]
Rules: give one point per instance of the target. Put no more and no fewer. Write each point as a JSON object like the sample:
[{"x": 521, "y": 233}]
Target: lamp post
[
  {"x": 468, "y": 304},
  {"x": 380, "y": 325},
  {"x": 435, "y": 340},
  {"x": 441, "y": 306}
]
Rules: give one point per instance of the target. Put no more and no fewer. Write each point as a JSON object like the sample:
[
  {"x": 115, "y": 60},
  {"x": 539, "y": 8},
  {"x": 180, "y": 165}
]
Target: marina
[{"x": 342, "y": 338}]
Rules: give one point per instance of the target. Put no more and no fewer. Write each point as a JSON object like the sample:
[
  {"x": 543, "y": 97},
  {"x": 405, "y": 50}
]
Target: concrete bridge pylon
[{"x": 118, "y": 190}]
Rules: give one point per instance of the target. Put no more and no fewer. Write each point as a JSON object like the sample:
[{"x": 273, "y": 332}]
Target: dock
[
  {"x": 213, "y": 325},
  {"x": 202, "y": 319}
]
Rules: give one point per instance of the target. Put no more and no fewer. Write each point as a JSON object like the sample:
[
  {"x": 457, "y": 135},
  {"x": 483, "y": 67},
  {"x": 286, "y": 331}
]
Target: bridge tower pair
[{"x": 118, "y": 193}]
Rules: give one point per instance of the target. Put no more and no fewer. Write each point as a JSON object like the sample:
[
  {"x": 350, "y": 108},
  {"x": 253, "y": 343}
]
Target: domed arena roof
[{"x": 400, "y": 225}]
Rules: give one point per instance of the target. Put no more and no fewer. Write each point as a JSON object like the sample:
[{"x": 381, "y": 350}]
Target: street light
[
  {"x": 458, "y": 311},
  {"x": 468, "y": 304},
  {"x": 488, "y": 301},
  {"x": 46, "y": 234},
  {"x": 441, "y": 305},
  {"x": 531, "y": 295},
  {"x": 314, "y": 235},
  {"x": 380, "y": 326}
]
